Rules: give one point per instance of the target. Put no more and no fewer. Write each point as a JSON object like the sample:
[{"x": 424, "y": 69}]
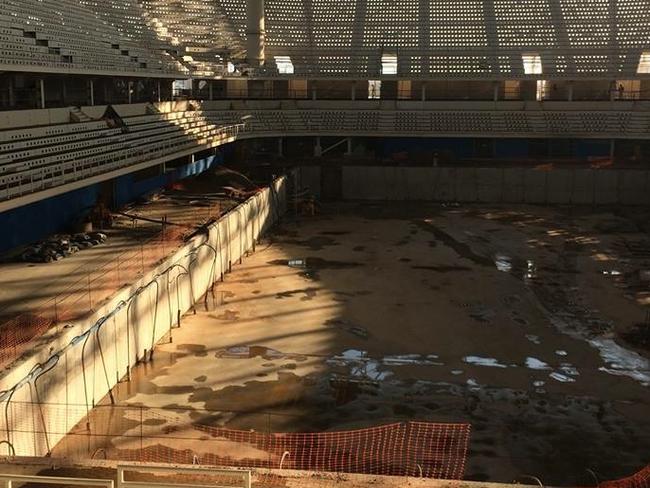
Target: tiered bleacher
[
  {"x": 69, "y": 35},
  {"x": 33, "y": 159}
]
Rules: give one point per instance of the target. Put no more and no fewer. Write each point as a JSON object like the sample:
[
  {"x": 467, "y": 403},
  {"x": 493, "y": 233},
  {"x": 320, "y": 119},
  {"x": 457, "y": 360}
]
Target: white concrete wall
[
  {"x": 74, "y": 374},
  {"x": 496, "y": 185}
]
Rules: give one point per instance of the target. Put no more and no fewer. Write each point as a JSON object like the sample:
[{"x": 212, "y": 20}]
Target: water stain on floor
[
  {"x": 312, "y": 265},
  {"x": 230, "y": 315},
  {"x": 197, "y": 350},
  {"x": 442, "y": 268},
  {"x": 308, "y": 293},
  {"x": 460, "y": 248}
]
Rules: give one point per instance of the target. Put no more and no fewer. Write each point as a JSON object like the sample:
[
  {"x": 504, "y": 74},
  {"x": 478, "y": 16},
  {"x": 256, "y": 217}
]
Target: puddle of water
[
  {"x": 230, "y": 315},
  {"x": 247, "y": 352},
  {"x": 622, "y": 362},
  {"x": 561, "y": 378},
  {"x": 442, "y": 268},
  {"x": 308, "y": 293},
  {"x": 411, "y": 359},
  {"x": 343, "y": 324},
  {"x": 297, "y": 263},
  {"x": 534, "y": 339},
  {"x": 503, "y": 263},
  {"x": 612, "y": 272},
  {"x": 531, "y": 271},
  {"x": 569, "y": 369},
  {"x": 312, "y": 265},
  {"x": 534, "y": 363},
  {"x": 480, "y": 361},
  {"x": 361, "y": 366}
]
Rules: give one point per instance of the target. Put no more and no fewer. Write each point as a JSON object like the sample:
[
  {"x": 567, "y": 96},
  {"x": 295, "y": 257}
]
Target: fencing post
[
  {"x": 90, "y": 299},
  {"x": 141, "y": 435}
]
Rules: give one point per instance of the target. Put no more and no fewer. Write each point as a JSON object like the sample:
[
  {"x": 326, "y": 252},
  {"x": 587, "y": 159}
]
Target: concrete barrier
[
  {"x": 78, "y": 364},
  {"x": 496, "y": 185}
]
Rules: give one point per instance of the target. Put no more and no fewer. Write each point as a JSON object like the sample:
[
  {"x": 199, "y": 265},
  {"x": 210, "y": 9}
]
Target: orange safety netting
[
  {"x": 637, "y": 480},
  {"x": 420, "y": 449},
  {"x": 94, "y": 285}
]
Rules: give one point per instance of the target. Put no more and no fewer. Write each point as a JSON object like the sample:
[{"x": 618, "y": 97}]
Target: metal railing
[
  {"x": 94, "y": 285},
  {"x": 243, "y": 477},
  {"x": 71, "y": 171},
  {"x": 8, "y": 480}
]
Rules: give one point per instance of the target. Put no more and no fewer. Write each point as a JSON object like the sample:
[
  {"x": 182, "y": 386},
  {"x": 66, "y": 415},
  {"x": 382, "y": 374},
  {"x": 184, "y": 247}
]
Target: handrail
[
  {"x": 244, "y": 475},
  {"x": 7, "y": 480}
]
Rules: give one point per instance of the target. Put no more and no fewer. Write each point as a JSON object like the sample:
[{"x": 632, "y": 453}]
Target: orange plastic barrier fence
[
  {"x": 638, "y": 480},
  {"x": 125, "y": 433},
  {"x": 94, "y": 285}
]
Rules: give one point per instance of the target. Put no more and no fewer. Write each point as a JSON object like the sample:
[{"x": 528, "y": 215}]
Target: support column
[
  {"x": 280, "y": 147},
  {"x": 210, "y": 83},
  {"x": 318, "y": 149},
  {"x": 129, "y": 89},
  {"x": 159, "y": 94},
  {"x": 348, "y": 151},
  {"x": 570, "y": 91},
  {"x": 496, "y": 91},
  {"x": 255, "y": 33},
  {"x": 612, "y": 149},
  {"x": 42, "y": 86},
  {"x": 91, "y": 90},
  {"x": 313, "y": 90},
  {"x": 12, "y": 95},
  {"x": 64, "y": 92},
  {"x": 424, "y": 91},
  {"x": 354, "y": 90}
]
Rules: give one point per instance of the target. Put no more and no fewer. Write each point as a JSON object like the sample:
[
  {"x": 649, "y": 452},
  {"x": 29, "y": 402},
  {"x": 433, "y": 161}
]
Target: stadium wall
[
  {"x": 487, "y": 185},
  {"x": 58, "y": 213},
  {"x": 79, "y": 363}
]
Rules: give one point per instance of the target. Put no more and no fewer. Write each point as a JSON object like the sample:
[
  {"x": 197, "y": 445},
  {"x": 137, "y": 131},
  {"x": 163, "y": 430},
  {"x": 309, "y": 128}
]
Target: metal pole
[
  {"x": 90, "y": 300},
  {"x": 141, "y": 434},
  {"x": 92, "y": 93},
  {"x": 42, "y": 84}
]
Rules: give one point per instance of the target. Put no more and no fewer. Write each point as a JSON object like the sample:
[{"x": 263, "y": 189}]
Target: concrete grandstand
[{"x": 317, "y": 243}]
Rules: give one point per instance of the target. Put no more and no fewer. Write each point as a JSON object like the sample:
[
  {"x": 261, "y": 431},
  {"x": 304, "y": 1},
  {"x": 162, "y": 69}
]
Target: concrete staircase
[{"x": 77, "y": 115}]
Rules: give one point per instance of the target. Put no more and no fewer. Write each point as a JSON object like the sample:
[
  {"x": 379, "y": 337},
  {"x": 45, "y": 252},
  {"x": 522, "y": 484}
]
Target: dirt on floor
[{"x": 527, "y": 322}]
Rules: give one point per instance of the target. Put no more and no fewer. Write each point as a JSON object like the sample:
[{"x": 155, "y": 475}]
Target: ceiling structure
[{"x": 430, "y": 38}]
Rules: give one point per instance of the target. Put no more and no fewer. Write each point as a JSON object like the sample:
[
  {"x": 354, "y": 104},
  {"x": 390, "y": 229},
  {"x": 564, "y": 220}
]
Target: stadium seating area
[
  {"x": 36, "y": 158},
  {"x": 69, "y": 34},
  {"x": 473, "y": 38}
]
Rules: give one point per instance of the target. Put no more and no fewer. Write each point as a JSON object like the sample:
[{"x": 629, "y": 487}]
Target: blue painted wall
[
  {"x": 40, "y": 219},
  {"x": 511, "y": 148},
  {"x": 34, "y": 221},
  {"x": 464, "y": 148},
  {"x": 127, "y": 188}
]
